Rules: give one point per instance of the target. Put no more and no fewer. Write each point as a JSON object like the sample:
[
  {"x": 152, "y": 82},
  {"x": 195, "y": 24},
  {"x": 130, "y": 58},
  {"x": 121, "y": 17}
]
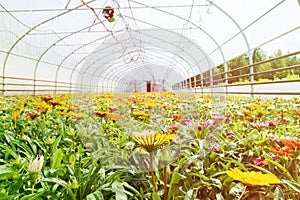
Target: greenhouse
[{"x": 150, "y": 99}]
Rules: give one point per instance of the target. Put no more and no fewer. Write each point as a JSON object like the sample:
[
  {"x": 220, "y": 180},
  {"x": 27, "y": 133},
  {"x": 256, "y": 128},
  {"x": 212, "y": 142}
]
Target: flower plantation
[{"x": 151, "y": 145}]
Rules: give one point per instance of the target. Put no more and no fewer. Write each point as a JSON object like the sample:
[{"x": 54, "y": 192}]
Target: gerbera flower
[
  {"x": 291, "y": 143},
  {"x": 150, "y": 104},
  {"x": 252, "y": 177},
  {"x": 296, "y": 112},
  {"x": 284, "y": 151},
  {"x": 140, "y": 114},
  {"x": 32, "y": 116},
  {"x": 54, "y": 103},
  {"x": 259, "y": 112},
  {"x": 15, "y": 115},
  {"x": 176, "y": 117},
  {"x": 185, "y": 121},
  {"x": 112, "y": 109},
  {"x": 173, "y": 127},
  {"x": 46, "y": 99},
  {"x": 114, "y": 117},
  {"x": 151, "y": 142},
  {"x": 100, "y": 114}
]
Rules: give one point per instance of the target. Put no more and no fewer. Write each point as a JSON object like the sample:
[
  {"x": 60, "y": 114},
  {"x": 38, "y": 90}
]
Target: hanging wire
[{"x": 109, "y": 31}]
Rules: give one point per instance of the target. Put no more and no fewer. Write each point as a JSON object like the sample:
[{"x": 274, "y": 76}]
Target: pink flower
[
  {"x": 215, "y": 147},
  {"x": 173, "y": 127},
  {"x": 155, "y": 117},
  {"x": 185, "y": 121},
  {"x": 112, "y": 109},
  {"x": 260, "y": 162},
  {"x": 220, "y": 118},
  {"x": 200, "y": 127},
  {"x": 260, "y": 125},
  {"x": 206, "y": 124},
  {"x": 231, "y": 134}
]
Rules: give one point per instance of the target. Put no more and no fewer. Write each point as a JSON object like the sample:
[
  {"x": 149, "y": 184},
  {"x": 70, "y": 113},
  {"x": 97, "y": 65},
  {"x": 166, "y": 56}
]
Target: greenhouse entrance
[{"x": 150, "y": 100}]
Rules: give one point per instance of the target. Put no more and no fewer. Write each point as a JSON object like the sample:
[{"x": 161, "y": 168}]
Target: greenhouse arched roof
[{"x": 70, "y": 45}]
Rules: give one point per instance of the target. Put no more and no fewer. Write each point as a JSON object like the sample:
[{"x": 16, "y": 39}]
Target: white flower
[
  {"x": 36, "y": 165},
  {"x": 102, "y": 173}
]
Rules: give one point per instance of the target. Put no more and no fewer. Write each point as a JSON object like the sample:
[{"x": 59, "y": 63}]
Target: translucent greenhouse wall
[{"x": 65, "y": 47}]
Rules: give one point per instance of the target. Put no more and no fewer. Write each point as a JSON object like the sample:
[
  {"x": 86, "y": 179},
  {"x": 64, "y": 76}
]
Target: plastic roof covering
[{"x": 162, "y": 41}]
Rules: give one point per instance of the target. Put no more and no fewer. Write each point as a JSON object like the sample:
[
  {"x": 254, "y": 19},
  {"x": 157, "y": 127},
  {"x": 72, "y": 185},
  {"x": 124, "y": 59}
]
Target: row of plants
[{"x": 151, "y": 145}]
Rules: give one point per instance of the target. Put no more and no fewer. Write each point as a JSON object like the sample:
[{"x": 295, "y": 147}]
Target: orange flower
[
  {"x": 246, "y": 112},
  {"x": 280, "y": 114},
  {"x": 296, "y": 112},
  {"x": 284, "y": 151},
  {"x": 251, "y": 119},
  {"x": 291, "y": 143},
  {"x": 114, "y": 117},
  {"x": 176, "y": 117}
]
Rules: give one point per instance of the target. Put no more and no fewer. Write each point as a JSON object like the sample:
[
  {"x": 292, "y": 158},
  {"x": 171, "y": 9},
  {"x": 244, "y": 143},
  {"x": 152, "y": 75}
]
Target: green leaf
[
  {"x": 155, "y": 196},
  {"x": 4, "y": 196},
  {"x": 176, "y": 177},
  {"x": 56, "y": 143},
  {"x": 278, "y": 194},
  {"x": 61, "y": 183},
  {"x": 282, "y": 168},
  {"x": 119, "y": 190},
  {"x": 190, "y": 195},
  {"x": 95, "y": 196},
  {"x": 237, "y": 190},
  {"x": 216, "y": 182},
  {"x": 57, "y": 158},
  {"x": 219, "y": 196},
  {"x": 33, "y": 196},
  {"x": 9, "y": 151},
  {"x": 295, "y": 186},
  {"x": 6, "y": 173},
  {"x": 72, "y": 158}
]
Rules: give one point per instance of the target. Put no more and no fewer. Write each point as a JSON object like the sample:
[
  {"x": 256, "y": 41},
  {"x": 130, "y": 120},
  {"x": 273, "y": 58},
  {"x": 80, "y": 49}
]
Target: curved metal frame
[{"x": 108, "y": 73}]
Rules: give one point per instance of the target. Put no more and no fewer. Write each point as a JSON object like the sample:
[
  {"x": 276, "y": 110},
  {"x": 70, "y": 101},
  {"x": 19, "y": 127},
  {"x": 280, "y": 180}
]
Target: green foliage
[{"x": 94, "y": 158}]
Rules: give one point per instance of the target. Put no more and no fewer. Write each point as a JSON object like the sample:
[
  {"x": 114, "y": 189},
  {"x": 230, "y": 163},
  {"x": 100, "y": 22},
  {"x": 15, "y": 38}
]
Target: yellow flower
[
  {"x": 141, "y": 113},
  {"x": 252, "y": 106},
  {"x": 259, "y": 112},
  {"x": 252, "y": 177},
  {"x": 77, "y": 115},
  {"x": 150, "y": 104},
  {"x": 15, "y": 115},
  {"x": 153, "y": 141}
]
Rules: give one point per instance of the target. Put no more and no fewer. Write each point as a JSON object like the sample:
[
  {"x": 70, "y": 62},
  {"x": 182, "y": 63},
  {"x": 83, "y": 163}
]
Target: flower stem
[
  {"x": 165, "y": 183},
  {"x": 152, "y": 172},
  {"x": 32, "y": 189}
]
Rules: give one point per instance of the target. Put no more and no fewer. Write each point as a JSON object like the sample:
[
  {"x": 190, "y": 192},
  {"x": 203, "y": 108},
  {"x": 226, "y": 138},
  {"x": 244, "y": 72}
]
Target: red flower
[
  {"x": 101, "y": 114},
  {"x": 46, "y": 99},
  {"x": 112, "y": 109},
  {"x": 176, "y": 117},
  {"x": 54, "y": 103},
  {"x": 32, "y": 116}
]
